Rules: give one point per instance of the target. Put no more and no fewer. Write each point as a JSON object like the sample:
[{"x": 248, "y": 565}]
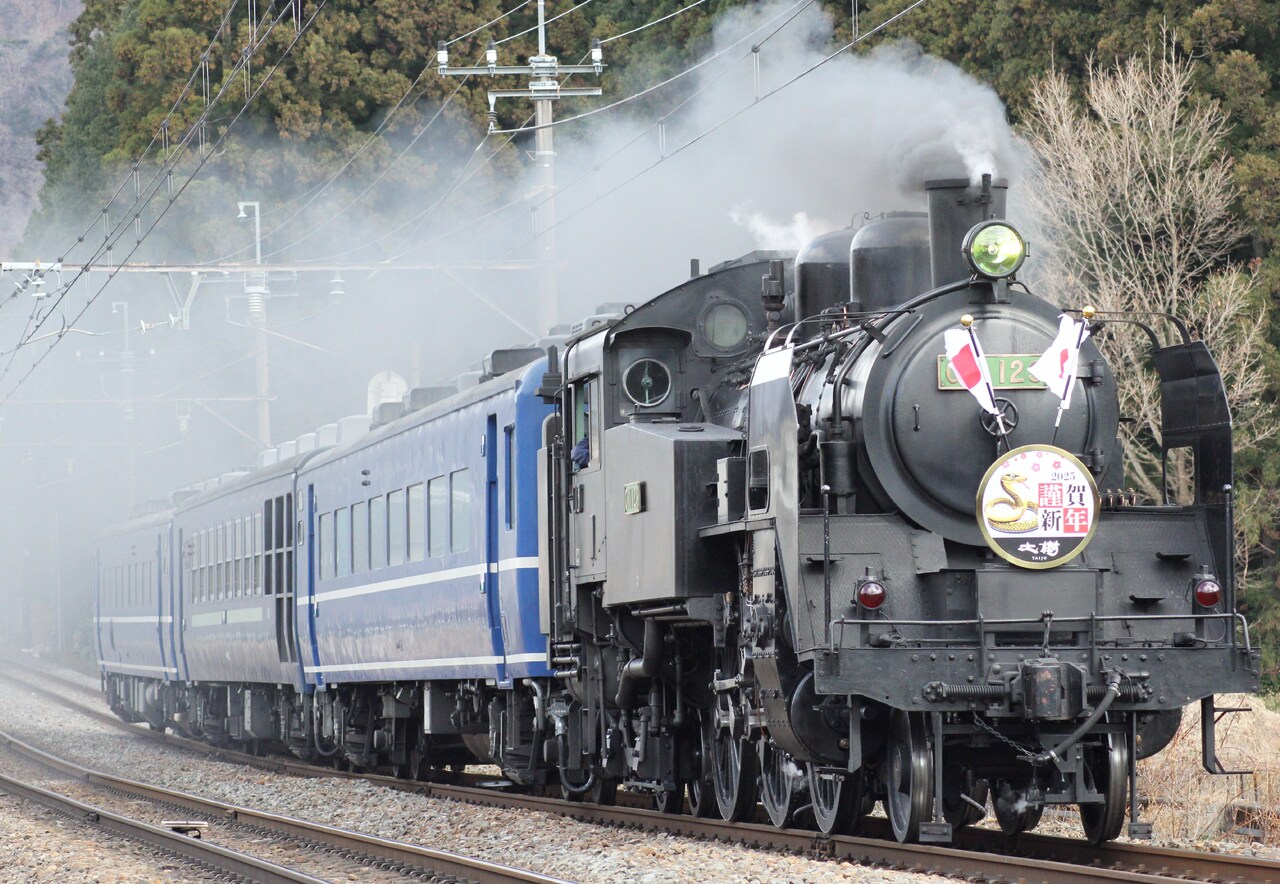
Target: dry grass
[{"x": 1186, "y": 802}]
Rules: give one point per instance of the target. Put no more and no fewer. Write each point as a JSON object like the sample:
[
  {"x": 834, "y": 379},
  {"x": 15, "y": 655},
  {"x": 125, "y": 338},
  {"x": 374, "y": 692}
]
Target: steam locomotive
[{"x": 751, "y": 542}]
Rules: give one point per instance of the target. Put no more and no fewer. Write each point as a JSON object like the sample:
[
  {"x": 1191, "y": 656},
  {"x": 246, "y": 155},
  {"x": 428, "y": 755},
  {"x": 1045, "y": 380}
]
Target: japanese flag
[
  {"x": 970, "y": 365},
  {"x": 1057, "y": 367}
]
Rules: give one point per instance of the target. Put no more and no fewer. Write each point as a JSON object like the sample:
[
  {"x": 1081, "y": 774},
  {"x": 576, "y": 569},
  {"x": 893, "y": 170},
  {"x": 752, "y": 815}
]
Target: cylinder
[{"x": 837, "y": 457}]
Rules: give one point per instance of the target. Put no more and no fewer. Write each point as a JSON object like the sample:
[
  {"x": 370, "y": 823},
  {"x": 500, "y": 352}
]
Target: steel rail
[
  {"x": 437, "y": 862},
  {"x": 1028, "y": 858},
  {"x": 220, "y": 859}
]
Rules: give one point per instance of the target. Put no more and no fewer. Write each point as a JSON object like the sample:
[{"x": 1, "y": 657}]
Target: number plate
[
  {"x": 1008, "y": 372},
  {"x": 633, "y": 498}
]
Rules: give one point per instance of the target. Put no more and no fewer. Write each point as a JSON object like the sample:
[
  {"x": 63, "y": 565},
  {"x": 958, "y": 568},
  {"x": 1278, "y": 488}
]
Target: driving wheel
[
  {"x": 782, "y": 783},
  {"x": 1106, "y": 770},
  {"x": 838, "y": 800},
  {"x": 908, "y": 776}
]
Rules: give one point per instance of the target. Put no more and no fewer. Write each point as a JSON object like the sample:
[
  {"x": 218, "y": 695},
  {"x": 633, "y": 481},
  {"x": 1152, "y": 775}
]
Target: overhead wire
[
  {"x": 650, "y": 24},
  {"x": 114, "y": 234},
  {"x": 319, "y": 189},
  {"x": 422, "y": 216},
  {"x": 802, "y": 5},
  {"x": 200, "y": 165},
  {"x": 488, "y": 24},
  {"x": 160, "y": 131},
  {"x": 530, "y": 30},
  {"x": 333, "y": 216},
  {"x": 655, "y": 87},
  {"x": 734, "y": 115}
]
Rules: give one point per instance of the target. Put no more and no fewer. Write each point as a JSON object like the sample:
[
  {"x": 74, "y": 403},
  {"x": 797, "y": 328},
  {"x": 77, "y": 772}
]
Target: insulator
[{"x": 257, "y": 306}]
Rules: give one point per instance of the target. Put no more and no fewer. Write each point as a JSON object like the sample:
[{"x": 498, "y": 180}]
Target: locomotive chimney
[{"x": 955, "y": 206}]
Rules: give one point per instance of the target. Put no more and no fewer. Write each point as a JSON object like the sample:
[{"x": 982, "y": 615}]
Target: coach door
[
  {"x": 491, "y": 575},
  {"x": 278, "y": 565},
  {"x": 164, "y": 598}
]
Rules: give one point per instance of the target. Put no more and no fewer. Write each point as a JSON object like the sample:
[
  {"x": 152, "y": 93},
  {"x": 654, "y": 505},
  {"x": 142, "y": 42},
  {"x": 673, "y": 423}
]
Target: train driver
[{"x": 581, "y": 454}]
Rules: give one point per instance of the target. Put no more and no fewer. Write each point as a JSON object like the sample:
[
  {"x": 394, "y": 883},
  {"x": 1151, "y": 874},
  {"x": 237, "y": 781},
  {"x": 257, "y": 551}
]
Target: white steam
[
  {"x": 771, "y": 234},
  {"x": 860, "y": 134}
]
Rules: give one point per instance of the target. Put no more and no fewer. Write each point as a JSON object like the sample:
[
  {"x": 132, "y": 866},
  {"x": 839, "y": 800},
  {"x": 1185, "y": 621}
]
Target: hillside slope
[{"x": 35, "y": 77}]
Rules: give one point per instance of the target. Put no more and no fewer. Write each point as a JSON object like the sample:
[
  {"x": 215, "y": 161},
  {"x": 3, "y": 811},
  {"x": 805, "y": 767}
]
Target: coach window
[
  {"x": 460, "y": 515},
  {"x": 211, "y": 566},
  {"x": 228, "y": 541},
  {"x": 224, "y": 559},
  {"x": 257, "y": 554},
  {"x": 378, "y": 532},
  {"x": 268, "y": 549},
  {"x": 284, "y": 544},
  {"x": 237, "y": 559},
  {"x": 206, "y": 578},
  {"x": 230, "y": 552},
  {"x": 215, "y": 563},
  {"x": 342, "y": 542},
  {"x": 585, "y": 441},
  {"x": 396, "y": 528},
  {"x": 202, "y": 559},
  {"x": 286, "y": 509},
  {"x": 229, "y": 556},
  {"x": 206, "y": 563},
  {"x": 359, "y": 537},
  {"x": 246, "y": 556},
  {"x": 324, "y": 545},
  {"x": 437, "y": 517},
  {"x": 416, "y": 524},
  {"x": 508, "y": 456}
]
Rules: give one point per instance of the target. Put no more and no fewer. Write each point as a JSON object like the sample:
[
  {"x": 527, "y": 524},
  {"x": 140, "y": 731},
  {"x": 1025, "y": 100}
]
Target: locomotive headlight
[
  {"x": 1208, "y": 592},
  {"x": 994, "y": 249},
  {"x": 871, "y": 594}
]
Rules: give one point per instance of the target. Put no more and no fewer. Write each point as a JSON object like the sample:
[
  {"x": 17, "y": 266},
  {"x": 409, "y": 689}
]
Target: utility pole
[
  {"x": 544, "y": 89},
  {"x": 255, "y": 289},
  {"x": 126, "y": 373}
]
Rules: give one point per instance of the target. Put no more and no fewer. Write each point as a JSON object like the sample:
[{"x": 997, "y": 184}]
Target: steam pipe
[
  {"x": 837, "y": 403},
  {"x": 1055, "y": 754},
  {"x": 644, "y": 666}
]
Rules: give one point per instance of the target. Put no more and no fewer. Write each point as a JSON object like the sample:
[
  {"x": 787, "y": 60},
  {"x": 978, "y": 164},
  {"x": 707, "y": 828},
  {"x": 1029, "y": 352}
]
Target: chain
[{"x": 1023, "y": 752}]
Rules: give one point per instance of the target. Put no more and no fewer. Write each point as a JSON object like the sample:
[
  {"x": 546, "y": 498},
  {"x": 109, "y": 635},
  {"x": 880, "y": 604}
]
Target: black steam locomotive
[
  {"x": 802, "y": 566},
  {"x": 808, "y": 531}
]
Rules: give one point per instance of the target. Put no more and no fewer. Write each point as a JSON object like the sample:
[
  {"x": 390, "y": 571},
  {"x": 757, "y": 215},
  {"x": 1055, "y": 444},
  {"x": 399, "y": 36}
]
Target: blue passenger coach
[
  {"x": 424, "y": 544},
  {"x": 135, "y": 622},
  {"x": 357, "y": 600}
]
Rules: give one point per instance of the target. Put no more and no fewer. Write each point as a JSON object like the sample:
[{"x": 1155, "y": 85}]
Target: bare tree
[{"x": 1133, "y": 192}]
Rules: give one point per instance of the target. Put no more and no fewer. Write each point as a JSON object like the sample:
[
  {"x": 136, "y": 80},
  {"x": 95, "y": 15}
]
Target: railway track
[
  {"x": 191, "y": 850},
  {"x": 365, "y": 850},
  {"x": 978, "y": 854}
]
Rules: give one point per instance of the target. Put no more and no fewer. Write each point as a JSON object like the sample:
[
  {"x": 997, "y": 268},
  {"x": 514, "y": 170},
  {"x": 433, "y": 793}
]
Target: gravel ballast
[{"x": 538, "y": 841}]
